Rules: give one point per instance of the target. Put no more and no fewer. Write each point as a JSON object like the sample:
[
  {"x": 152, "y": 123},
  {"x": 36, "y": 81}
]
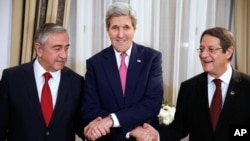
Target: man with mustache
[{"x": 41, "y": 100}]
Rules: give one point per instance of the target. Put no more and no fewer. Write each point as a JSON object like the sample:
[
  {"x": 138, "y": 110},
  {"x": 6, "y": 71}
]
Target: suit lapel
[
  {"x": 204, "y": 91},
  {"x": 203, "y": 104},
  {"x": 136, "y": 63},
  {"x": 63, "y": 90},
  {"x": 111, "y": 70},
  {"x": 233, "y": 89},
  {"x": 30, "y": 82},
  {"x": 204, "y": 99}
]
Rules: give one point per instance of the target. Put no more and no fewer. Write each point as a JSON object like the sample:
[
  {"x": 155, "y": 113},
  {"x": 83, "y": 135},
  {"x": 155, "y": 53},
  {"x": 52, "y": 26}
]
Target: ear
[
  {"x": 38, "y": 49},
  {"x": 230, "y": 51}
]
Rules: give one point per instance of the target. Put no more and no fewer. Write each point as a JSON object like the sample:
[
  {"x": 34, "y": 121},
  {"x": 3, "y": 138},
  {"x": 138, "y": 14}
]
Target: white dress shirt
[{"x": 53, "y": 81}]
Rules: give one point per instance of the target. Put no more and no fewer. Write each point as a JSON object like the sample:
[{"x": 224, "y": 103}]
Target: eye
[
  {"x": 211, "y": 49},
  {"x": 57, "y": 48},
  {"x": 201, "y": 49},
  {"x": 127, "y": 27},
  {"x": 114, "y": 27},
  {"x": 66, "y": 48}
]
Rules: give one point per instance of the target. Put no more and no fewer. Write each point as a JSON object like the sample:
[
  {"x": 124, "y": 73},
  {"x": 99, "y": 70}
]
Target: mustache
[{"x": 61, "y": 59}]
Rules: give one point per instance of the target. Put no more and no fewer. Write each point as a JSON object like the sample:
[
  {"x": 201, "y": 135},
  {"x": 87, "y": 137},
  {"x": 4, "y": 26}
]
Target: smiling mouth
[
  {"x": 206, "y": 62},
  {"x": 120, "y": 41},
  {"x": 60, "y": 61}
]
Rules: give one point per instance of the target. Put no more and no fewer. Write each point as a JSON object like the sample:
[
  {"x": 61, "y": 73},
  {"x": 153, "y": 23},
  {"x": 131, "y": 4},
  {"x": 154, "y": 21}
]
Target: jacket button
[{"x": 47, "y": 133}]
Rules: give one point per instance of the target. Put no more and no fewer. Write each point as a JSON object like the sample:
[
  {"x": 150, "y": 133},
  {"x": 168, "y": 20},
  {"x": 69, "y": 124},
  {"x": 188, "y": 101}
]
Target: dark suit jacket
[
  {"x": 20, "y": 113},
  {"x": 143, "y": 93},
  {"x": 192, "y": 112}
]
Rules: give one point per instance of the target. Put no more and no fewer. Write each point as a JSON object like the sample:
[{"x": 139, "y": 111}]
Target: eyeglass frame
[{"x": 210, "y": 50}]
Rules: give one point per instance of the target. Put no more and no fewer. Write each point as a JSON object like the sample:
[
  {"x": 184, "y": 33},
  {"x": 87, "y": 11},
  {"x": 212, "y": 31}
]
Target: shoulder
[
  {"x": 17, "y": 73},
  {"x": 72, "y": 74},
  {"x": 196, "y": 80},
  {"x": 241, "y": 77},
  {"x": 145, "y": 49},
  {"x": 106, "y": 52},
  {"x": 146, "y": 53},
  {"x": 19, "y": 68}
]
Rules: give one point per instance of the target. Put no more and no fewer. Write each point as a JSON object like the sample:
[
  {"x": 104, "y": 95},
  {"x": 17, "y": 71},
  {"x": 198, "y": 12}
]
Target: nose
[
  {"x": 204, "y": 53},
  {"x": 64, "y": 53},
  {"x": 120, "y": 33}
]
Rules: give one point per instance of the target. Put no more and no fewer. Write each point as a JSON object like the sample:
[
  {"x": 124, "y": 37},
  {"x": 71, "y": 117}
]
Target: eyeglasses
[{"x": 210, "y": 50}]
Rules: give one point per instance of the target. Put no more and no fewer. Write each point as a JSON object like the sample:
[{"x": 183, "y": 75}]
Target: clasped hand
[
  {"x": 101, "y": 126},
  {"x": 97, "y": 128}
]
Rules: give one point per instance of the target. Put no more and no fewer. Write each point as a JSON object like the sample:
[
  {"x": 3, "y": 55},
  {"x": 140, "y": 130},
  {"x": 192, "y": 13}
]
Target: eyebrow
[
  {"x": 208, "y": 46},
  {"x": 60, "y": 45}
]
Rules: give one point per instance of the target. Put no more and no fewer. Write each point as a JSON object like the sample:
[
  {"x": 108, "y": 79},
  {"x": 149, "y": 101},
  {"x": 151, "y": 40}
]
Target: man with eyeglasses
[{"x": 197, "y": 113}]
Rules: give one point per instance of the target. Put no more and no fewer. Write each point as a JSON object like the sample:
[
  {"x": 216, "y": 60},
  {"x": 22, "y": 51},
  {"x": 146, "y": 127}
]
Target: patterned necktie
[
  {"x": 46, "y": 100},
  {"x": 123, "y": 71},
  {"x": 216, "y": 104}
]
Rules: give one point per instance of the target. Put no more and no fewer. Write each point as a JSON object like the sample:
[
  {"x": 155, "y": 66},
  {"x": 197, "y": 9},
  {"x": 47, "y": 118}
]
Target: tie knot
[
  {"x": 123, "y": 55},
  {"x": 47, "y": 76},
  {"x": 217, "y": 82}
]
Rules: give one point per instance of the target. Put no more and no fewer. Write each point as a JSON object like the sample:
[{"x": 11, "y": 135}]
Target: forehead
[
  {"x": 209, "y": 40},
  {"x": 120, "y": 20},
  {"x": 57, "y": 39},
  {"x": 57, "y": 36}
]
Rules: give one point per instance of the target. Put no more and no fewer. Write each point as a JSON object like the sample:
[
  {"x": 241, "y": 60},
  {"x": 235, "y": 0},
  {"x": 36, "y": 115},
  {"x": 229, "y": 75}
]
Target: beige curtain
[
  {"x": 16, "y": 32},
  {"x": 58, "y": 12},
  {"x": 242, "y": 35},
  {"x": 27, "y": 16}
]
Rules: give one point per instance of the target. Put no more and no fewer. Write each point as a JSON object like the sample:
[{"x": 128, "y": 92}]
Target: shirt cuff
[
  {"x": 115, "y": 120},
  {"x": 158, "y": 136},
  {"x": 128, "y": 135}
]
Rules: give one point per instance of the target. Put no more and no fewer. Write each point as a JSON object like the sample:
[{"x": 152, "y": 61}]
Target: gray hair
[
  {"x": 42, "y": 33},
  {"x": 120, "y": 9}
]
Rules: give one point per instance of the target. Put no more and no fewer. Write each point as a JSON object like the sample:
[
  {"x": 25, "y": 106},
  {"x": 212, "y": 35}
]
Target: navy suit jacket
[
  {"x": 192, "y": 114},
  {"x": 143, "y": 93},
  {"x": 20, "y": 113}
]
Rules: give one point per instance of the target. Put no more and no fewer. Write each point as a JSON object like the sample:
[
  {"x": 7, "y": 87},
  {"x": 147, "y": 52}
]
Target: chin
[
  {"x": 57, "y": 68},
  {"x": 206, "y": 69}
]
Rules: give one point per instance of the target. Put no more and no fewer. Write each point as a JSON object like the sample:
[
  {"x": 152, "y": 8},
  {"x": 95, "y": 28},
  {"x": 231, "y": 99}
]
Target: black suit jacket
[
  {"x": 20, "y": 113},
  {"x": 192, "y": 112}
]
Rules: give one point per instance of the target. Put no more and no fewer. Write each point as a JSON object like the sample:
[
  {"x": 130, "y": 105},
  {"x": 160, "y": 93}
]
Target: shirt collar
[
  {"x": 39, "y": 70},
  {"x": 225, "y": 77},
  {"x": 128, "y": 52}
]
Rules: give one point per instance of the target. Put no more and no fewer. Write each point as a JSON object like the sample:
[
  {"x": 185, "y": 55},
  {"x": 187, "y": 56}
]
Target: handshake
[{"x": 101, "y": 126}]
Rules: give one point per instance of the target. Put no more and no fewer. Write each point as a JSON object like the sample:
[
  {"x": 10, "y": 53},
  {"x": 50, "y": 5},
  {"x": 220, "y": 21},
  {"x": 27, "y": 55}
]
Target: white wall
[{"x": 5, "y": 33}]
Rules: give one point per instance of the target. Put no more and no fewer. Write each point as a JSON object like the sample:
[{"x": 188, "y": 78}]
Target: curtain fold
[
  {"x": 27, "y": 16},
  {"x": 16, "y": 32},
  {"x": 52, "y": 11},
  {"x": 28, "y": 30},
  {"x": 242, "y": 35}
]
